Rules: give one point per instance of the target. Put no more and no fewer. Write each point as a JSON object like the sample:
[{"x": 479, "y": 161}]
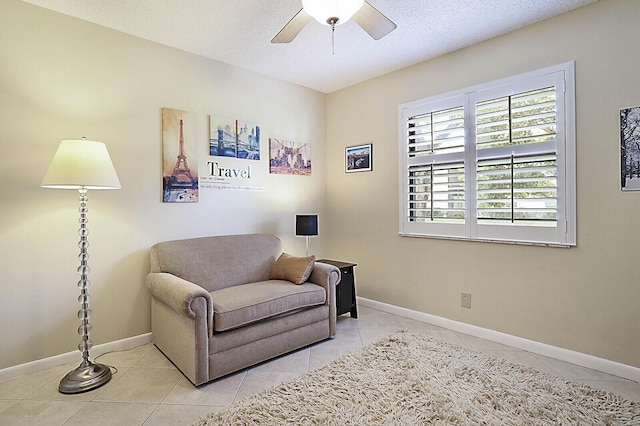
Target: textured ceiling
[{"x": 239, "y": 32}]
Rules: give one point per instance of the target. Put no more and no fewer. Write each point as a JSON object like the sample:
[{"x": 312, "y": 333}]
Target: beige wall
[
  {"x": 64, "y": 78},
  {"x": 584, "y": 299}
]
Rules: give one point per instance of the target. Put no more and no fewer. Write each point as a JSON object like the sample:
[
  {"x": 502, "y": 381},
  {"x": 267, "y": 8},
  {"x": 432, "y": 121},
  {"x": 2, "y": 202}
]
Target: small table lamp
[
  {"x": 81, "y": 164},
  {"x": 307, "y": 225}
]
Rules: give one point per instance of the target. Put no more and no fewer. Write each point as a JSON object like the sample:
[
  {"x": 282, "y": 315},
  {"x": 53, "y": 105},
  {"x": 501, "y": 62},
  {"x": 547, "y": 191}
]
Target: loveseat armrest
[
  {"x": 179, "y": 295},
  {"x": 324, "y": 275},
  {"x": 327, "y": 276}
]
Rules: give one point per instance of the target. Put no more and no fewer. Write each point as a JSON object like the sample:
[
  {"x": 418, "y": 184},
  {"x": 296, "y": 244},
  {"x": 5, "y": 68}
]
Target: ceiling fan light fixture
[{"x": 332, "y": 12}]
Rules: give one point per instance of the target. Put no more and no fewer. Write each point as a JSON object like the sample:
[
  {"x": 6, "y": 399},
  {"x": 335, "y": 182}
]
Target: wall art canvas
[
  {"x": 222, "y": 136},
  {"x": 359, "y": 158},
  {"x": 289, "y": 157},
  {"x": 233, "y": 138},
  {"x": 179, "y": 159},
  {"x": 630, "y": 148},
  {"x": 248, "y": 140}
]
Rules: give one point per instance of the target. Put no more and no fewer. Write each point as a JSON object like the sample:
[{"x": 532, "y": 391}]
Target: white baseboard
[
  {"x": 71, "y": 357},
  {"x": 578, "y": 358}
]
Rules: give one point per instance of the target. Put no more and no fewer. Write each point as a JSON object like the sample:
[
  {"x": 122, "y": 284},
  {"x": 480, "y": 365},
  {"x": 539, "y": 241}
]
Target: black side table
[{"x": 346, "y": 288}]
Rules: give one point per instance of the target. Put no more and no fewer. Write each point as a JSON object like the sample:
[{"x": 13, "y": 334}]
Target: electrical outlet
[{"x": 465, "y": 300}]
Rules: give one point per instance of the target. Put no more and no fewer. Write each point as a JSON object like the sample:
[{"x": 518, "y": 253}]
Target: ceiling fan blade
[
  {"x": 293, "y": 28},
  {"x": 373, "y": 22}
]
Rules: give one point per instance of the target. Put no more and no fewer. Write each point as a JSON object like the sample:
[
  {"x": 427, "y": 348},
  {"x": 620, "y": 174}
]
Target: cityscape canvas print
[
  {"x": 248, "y": 140},
  {"x": 179, "y": 160},
  {"x": 222, "y": 136},
  {"x": 630, "y": 149},
  {"x": 289, "y": 157},
  {"x": 233, "y": 138}
]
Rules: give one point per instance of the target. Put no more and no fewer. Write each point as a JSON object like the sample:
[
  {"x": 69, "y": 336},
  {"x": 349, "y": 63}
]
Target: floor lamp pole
[{"x": 87, "y": 375}]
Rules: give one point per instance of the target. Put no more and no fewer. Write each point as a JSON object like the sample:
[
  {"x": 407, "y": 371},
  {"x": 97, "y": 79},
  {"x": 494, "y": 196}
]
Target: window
[{"x": 495, "y": 162}]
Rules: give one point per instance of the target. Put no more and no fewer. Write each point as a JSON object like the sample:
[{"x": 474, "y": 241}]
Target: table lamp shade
[
  {"x": 307, "y": 224},
  {"x": 80, "y": 163}
]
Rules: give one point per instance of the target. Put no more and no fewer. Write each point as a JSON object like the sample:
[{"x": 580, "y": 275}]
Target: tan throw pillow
[{"x": 291, "y": 268}]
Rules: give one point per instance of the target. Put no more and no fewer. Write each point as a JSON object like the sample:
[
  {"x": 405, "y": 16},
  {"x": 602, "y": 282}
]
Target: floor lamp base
[{"x": 86, "y": 377}]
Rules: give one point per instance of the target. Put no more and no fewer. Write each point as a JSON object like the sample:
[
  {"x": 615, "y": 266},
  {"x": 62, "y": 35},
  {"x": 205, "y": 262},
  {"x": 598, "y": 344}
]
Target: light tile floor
[{"x": 148, "y": 390}]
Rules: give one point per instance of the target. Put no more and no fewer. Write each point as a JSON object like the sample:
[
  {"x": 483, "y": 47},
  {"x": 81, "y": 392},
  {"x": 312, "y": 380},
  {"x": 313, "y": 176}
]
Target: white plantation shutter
[
  {"x": 521, "y": 188},
  {"x": 519, "y": 119},
  {"x": 436, "y": 193},
  {"x": 434, "y": 154},
  {"x": 518, "y": 191},
  {"x": 436, "y": 132},
  {"x": 495, "y": 162}
]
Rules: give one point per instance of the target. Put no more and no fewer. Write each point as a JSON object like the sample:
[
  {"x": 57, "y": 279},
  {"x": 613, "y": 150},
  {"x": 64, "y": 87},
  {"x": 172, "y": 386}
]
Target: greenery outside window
[{"x": 494, "y": 162}]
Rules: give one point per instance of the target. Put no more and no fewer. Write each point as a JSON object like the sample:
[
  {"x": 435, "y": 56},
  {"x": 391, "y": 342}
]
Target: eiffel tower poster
[{"x": 180, "y": 162}]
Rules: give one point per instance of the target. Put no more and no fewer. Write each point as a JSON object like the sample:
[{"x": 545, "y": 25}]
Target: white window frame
[{"x": 562, "y": 76}]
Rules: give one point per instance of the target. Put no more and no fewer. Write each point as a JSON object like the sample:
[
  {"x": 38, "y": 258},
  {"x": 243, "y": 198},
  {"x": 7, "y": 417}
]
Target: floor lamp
[
  {"x": 307, "y": 225},
  {"x": 82, "y": 165}
]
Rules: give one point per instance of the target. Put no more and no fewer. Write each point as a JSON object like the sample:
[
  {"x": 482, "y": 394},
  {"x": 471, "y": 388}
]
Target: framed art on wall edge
[
  {"x": 630, "y": 148},
  {"x": 359, "y": 158}
]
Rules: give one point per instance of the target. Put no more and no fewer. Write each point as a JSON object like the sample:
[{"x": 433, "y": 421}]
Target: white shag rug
[{"x": 412, "y": 379}]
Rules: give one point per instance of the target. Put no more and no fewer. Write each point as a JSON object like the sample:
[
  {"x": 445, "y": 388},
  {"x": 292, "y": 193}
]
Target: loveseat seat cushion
[{"x": 244, "y": 304}]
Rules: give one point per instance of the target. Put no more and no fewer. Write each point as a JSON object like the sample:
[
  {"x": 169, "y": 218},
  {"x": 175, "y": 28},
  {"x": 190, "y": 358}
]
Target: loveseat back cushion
[
  {"x": 218, "y": 262},
  {"x": 237, "y": 306}
]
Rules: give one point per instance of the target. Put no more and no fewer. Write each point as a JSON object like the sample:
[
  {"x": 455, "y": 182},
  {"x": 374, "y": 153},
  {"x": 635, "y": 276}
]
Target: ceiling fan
[{"x": 336, "y": 12}]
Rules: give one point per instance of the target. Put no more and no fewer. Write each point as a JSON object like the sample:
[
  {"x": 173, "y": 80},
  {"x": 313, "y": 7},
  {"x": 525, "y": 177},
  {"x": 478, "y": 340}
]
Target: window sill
[{"x": 486, "y": 240}]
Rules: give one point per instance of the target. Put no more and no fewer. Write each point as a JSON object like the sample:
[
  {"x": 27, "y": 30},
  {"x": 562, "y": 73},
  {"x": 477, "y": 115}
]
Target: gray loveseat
[{"x": 216, "y": 310}]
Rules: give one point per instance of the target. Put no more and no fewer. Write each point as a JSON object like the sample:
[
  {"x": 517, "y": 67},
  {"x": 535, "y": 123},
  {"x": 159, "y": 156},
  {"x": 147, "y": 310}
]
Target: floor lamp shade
[
  {"x": 307, "y": 224},
  {"x": 81, "y": 164}
]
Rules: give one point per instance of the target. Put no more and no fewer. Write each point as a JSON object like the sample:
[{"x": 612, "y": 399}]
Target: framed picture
[
  {"x": 359, "y": 158},
  {"x": 630, "y": 149}
]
